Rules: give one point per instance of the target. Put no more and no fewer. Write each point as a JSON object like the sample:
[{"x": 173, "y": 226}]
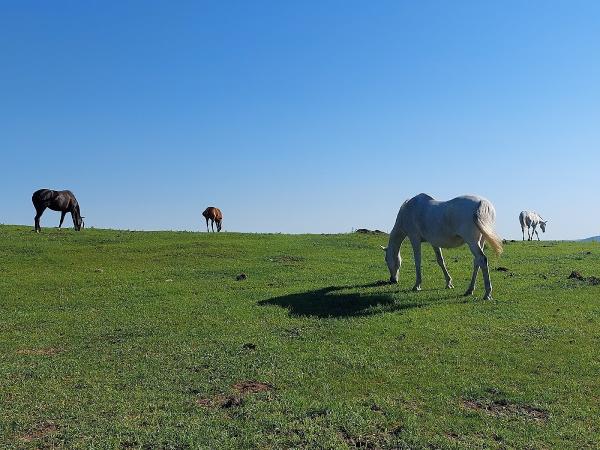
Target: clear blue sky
[{"x": 300, "y": 116}]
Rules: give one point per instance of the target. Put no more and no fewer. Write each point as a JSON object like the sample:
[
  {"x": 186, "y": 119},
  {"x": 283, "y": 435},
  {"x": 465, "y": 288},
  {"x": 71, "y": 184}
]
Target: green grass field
[{"x": 117, "y": 339}]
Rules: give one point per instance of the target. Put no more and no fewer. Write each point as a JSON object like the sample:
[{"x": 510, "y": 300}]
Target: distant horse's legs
[
  {"x": 523, "y": 230},
  {"x": 219, "y": 225},
  {"x": 39, "y": 211},
  {"x": 207, "y": 230},
  {"x": 442, "y": 263},
  {"x": 62, "y": 217},
  {"x": 416, "y": 245},
  {"x": 212, "y": 224}
]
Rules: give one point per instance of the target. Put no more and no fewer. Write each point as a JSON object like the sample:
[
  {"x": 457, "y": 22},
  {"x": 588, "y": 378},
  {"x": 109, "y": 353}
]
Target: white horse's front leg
[
  {"x": 416, "y": 245},
  {"x": 442, "y": 264}
]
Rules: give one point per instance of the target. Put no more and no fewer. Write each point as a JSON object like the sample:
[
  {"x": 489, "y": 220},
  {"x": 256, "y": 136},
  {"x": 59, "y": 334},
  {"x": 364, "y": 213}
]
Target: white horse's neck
[{"x": 397, "y": 236}]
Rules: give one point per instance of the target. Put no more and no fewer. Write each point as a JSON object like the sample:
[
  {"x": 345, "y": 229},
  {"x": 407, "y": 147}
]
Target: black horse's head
[{"x": 78, "y": 219}]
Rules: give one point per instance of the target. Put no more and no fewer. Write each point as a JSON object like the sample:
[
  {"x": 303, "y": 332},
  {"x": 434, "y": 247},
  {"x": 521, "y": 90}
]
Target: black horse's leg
[
  {"x": 38, "y": 214},
  {"x": 62, "y": 217},
  {"x": 207, "y": 230}
]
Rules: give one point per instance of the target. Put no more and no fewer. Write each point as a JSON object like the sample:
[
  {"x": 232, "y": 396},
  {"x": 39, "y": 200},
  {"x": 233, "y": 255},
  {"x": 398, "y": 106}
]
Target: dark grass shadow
[{"x": 342, "y": 301}]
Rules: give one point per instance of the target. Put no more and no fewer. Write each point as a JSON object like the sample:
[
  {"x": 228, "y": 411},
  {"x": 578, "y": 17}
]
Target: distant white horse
[
  {"x": 531, "y": 219},
  {"x": 466, "y": 219}
]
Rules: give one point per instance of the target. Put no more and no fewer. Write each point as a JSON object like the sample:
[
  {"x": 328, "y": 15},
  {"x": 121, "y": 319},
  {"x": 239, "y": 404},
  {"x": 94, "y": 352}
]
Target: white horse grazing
[
  {"x": 466, "y": 219},
  {"x": 531, "y": 219}
]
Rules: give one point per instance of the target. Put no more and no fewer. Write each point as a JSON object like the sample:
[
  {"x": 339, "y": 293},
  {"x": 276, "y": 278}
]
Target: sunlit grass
[{"x": 116, "y": 339}]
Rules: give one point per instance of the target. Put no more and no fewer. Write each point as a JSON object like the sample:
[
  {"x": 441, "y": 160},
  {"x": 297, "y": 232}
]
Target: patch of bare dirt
[
  {"x": 356, "y": 441},
  {"x": 452, "y": 435},
  {"x": 40, "y": 431},
  {"x": 242, "y": 388},
  {"x": 50, "y": 351},
  {"x": 594, "y": 281},
  {"x": 505, "y": 408},
  {"x": 252, "y": 387}
]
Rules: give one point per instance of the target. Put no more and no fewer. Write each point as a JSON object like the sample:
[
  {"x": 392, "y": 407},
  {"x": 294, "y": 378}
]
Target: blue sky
[{"x": 300, "y": 116}]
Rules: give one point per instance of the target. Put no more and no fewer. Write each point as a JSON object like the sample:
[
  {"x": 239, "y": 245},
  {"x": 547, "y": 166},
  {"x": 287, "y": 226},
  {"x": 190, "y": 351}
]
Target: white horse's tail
[{"x": 484, "y": 218}]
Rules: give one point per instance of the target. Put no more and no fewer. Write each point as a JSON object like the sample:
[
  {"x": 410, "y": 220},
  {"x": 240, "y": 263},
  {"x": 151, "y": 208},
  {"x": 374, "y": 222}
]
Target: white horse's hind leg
[
  {"x": 480, "y": 261},
  {"x": 471, "y": 287},
  {"x": 416, "y": 245},
  {"x": 523, "y": 230},
  {"x": 442, "y": 263}
]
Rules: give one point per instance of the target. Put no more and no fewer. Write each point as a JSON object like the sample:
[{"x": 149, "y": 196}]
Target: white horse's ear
[{"x": 383, "y": 248}]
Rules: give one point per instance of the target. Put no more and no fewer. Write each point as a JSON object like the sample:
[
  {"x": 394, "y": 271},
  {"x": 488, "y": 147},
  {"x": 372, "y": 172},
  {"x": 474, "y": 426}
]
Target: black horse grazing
[{"x": 63, "y": 201}]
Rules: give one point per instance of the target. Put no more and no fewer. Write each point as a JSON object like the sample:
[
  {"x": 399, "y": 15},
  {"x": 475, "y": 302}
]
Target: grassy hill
[
  {"x": 116, "y": 339},
  {"x": 592, "y": 239}
]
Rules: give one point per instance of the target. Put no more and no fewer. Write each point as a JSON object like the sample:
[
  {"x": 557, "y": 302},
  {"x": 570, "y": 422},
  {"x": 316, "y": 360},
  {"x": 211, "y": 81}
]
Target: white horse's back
[{"x": 446, "y": 224}]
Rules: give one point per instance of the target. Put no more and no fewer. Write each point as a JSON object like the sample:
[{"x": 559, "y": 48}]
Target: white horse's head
[
  {"x": 393, "y": 263},
  {"x": 543, "y": 226}
]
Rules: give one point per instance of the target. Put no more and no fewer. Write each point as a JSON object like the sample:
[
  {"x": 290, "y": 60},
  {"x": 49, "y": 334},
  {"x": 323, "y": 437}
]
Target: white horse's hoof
[
  {"x": 416, "y": 288},
  {"x": 487, "y": 297},
  {"x": 449, "y": 286}
]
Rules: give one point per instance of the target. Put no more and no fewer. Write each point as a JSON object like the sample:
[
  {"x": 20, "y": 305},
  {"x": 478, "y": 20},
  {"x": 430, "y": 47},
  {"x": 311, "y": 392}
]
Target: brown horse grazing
[
  {"x": 63, "y": 201},
  {"x": 214, "y": 215}
]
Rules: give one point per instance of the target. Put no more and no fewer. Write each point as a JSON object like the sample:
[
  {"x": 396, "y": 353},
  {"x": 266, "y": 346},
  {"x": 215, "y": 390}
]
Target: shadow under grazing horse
[
  {"x": 63, "y": 201},
  {"x": 214, "y": 215},
  {"x": 466, "y": 219}
]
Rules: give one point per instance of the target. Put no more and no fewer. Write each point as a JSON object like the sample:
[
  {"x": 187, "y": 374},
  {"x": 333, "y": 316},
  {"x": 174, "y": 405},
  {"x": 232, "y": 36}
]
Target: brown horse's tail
[{"x": 484, "y": 218}]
